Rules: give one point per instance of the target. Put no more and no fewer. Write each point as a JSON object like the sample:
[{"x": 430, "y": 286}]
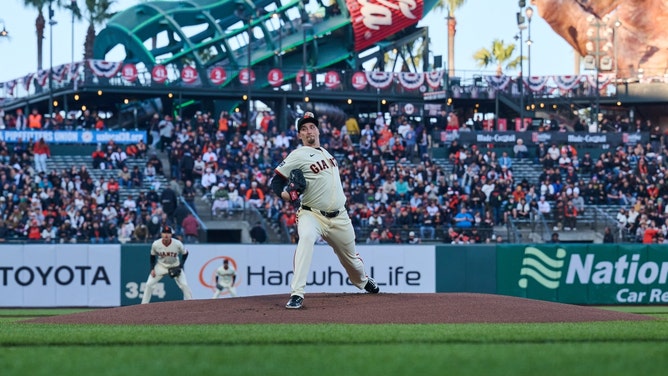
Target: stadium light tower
[
  {"x": 529, "y": 13},
  {"x": 51, "y": 23},
  {"x": 521, "y": 25}
]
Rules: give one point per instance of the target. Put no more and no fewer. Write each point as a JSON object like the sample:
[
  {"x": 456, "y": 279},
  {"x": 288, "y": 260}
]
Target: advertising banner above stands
[
  {"x": 610, "y": 140},
  {"x": 74, "y": 137}
]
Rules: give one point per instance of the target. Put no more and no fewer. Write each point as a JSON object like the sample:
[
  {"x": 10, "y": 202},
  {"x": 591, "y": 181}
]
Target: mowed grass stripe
[{"x": 15, "y": 334}]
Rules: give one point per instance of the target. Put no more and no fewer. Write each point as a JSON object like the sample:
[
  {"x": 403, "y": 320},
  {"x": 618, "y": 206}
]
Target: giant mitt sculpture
[{"x": 634, "y": 31}]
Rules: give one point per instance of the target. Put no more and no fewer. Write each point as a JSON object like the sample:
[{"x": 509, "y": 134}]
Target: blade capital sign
[{"x": 374, "y": 20}]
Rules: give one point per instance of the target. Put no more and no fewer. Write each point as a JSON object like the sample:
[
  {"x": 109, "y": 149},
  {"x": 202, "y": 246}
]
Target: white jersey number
[{"x": 136, "y": 290}]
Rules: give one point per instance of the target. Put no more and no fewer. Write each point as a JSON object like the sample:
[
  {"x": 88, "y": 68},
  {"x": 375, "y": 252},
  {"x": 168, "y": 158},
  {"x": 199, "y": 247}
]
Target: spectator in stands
[
  {"x": 570, "y": 216},
  {"x": 125, "y": 177},
  {"x": 126, "y": 231},
  {"x": 141, "y": 234},
  {"x": 374, "y": 237},
  {"x": 523, "y": 209},
  {"x": 544, "y": 207},
  {"x": 463, "y": 219},
  {"x": 520, "y": 150},
  {"x": 505, "y": 161},
  {"x": 221, "y": 201},
  {"x": 209, "y": 179},
  {"x": 168, "y": 201},
  {"x": 35, "y": 120},
  {"x": 412, "y": 239},
  {"x": 235, "y": 197},
  {"x": 100, "y": 158},
  {"x": 41, "y": 152},
  {"x": 166, "y": 131},
  {"x": 553, "y": 154},
  {"x": 255, "y": 196},
  {"x": 555, "y": 238},
  {"x": 607, "y": 236},
  {"x": 190, "y": 228},
  {"x": 650, "y": 232},
  {"x": 118, "y": 158},
  {"x": 258, "y": 234},
  {"x": 578, "y": 202},
  {"x": 376, "y": 221},
  {"x": 541, "y": 154}
]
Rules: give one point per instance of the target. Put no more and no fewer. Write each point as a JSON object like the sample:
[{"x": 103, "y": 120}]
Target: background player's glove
[
  {"x": 296, "y": 184},
  {"x": 219, "y": 286},
  {"x": 174, "y": 272}
]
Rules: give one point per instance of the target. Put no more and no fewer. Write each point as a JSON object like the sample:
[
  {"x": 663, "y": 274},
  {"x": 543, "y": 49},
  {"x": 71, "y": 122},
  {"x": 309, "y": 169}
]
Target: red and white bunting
[
  {"x": 103, "y": 68},
  {"x": 380, "y": 80},
  {"x": 434, "y": 79},
  {"x": 10, "y": 85},
  {"x": 567, "y": 82},
  {"x": 498, "y": 82},
  {"x": 411, "y": 80},
  {"x": 275, "y": 77},
  {"x": 58, "y": 74},
  {"x": 603, "y": 80},
  {"x": 536, "y": 83},
  {"x": 42, "y": 77},
  {"x": 27, "y": 80}
]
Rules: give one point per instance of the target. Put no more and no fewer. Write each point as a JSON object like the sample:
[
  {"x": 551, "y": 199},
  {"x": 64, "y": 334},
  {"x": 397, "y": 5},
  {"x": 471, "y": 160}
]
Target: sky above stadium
[{"x": 479, "y": 22}]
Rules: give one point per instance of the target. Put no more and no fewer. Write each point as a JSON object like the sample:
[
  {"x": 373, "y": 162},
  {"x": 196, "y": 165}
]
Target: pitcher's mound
[{"x": 349, "y": 309}]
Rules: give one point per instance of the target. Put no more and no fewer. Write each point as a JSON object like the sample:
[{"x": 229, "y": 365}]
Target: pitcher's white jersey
[
  {"x": 168, "y": 255},
  {"x": 323, "y": 180}
]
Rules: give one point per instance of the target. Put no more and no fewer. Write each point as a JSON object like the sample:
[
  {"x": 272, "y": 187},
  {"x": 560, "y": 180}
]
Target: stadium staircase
[{"x": 60, "y": 162}]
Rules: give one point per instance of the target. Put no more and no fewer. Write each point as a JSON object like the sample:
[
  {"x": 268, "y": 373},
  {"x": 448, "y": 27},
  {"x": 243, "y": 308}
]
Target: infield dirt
[{"x": 347, "y": 309}]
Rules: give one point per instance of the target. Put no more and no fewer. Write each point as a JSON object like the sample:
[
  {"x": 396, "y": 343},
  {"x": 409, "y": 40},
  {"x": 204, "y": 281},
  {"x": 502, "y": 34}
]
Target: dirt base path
[{"x": 349, "y": 309}]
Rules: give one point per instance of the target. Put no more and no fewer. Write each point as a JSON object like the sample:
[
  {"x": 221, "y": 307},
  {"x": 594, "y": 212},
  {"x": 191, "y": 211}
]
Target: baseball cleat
[
  {"x": 371, "y": 286},
  {"x": 295, "y": 302}
]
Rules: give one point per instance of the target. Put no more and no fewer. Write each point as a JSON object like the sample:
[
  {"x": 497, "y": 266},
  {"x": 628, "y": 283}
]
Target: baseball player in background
[
  {"x": 225, "y": 278},
  {"x": 322, "y": 211},
  {"x": 164, "y": 260}
]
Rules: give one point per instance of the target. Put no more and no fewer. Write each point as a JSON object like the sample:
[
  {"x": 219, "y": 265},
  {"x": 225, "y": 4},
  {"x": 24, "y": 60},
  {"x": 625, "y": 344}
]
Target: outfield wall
[{"x": 39, "y": 275}]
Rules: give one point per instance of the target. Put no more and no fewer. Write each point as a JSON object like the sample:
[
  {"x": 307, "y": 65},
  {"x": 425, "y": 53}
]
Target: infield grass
[{"x": 600, "y": 348}]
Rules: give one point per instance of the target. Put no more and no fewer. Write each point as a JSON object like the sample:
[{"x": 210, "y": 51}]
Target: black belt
[{"x": 331, "y": 214}]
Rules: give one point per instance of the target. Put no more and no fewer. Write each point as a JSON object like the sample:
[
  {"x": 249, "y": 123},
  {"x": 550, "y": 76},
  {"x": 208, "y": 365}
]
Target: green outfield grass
[{"x": 601, "y": 348}]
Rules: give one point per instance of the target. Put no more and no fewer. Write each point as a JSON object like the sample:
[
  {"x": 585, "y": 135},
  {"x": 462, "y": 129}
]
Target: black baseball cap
[
  {"x": 166, "y": 230},
  {"x": 308, "y": 117}
]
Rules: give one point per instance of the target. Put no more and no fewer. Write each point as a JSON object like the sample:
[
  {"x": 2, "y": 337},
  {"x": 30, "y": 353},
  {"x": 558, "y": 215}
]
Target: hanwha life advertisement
[{"x": 267, "y": 270}]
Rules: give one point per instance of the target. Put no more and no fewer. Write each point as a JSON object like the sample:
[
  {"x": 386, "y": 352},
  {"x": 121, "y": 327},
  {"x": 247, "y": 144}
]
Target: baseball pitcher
[
  {"x": 311, "y": 174},
  {"x": 164, "y": 260},
  {"x": 225, "y": 278}
]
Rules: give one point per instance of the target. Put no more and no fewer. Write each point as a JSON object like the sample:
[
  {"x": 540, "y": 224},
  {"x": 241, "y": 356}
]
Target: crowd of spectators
[{"x": 396, "y": 193}]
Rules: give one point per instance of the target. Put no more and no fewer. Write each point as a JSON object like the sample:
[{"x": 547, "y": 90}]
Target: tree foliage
[{"x": 500, "y": 54}]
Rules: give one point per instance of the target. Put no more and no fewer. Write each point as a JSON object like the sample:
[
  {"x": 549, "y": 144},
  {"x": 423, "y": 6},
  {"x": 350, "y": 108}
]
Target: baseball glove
[
  {"x": 296, "y": 184},
  {"x": 174, "y": 272}
]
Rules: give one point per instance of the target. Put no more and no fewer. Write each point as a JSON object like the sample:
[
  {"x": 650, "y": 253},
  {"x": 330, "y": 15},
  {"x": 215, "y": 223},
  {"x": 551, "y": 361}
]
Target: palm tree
[
  {"x": 452, "y": 6},
  {"x": 97, "y": 13},
  {"x": 500, "y": 54},
  {"x": 40, "y": 24}
]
